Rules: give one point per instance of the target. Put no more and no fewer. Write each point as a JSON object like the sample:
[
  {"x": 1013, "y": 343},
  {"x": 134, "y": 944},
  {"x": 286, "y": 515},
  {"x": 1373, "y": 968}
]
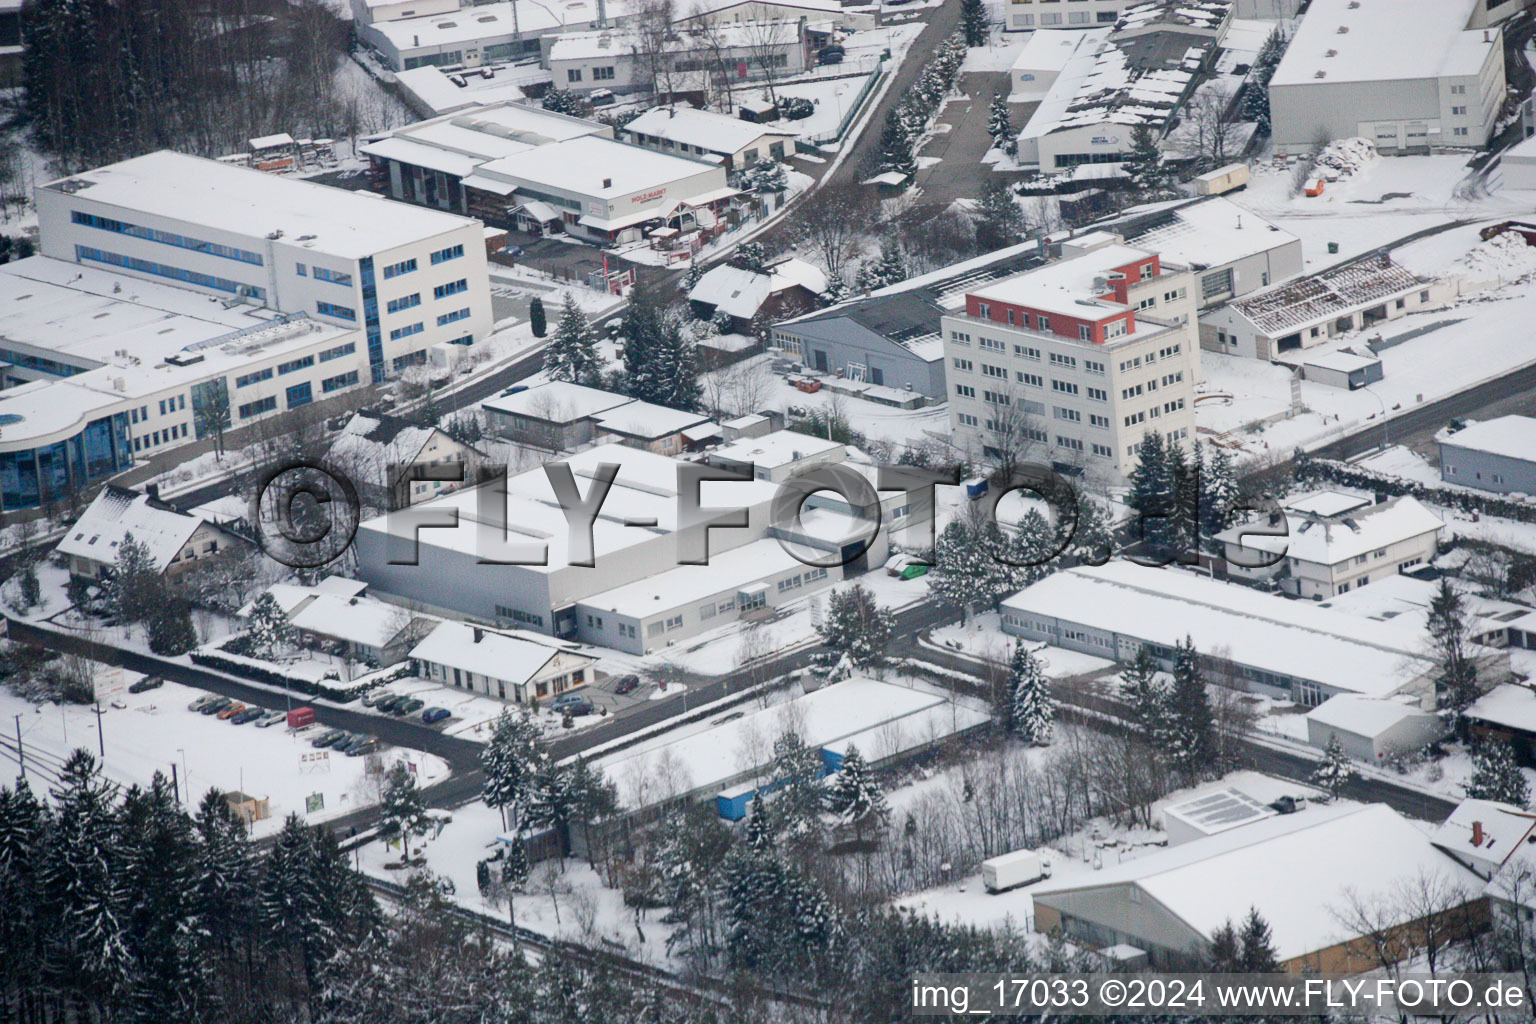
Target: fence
[{"x": 876, "y": 76}]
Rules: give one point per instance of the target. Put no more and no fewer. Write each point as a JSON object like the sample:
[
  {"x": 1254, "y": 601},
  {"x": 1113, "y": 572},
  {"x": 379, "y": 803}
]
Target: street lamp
[{"x": 1386, "y": 434}]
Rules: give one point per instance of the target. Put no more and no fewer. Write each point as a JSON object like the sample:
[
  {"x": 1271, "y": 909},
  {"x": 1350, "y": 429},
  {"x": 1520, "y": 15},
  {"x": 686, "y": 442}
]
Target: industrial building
[
  {"x": 615, "y": 60},
  {"x": 1440, "y": 84},
  {"x": 1496, "y": 455},
  {"x": 1076, "y": 360}
]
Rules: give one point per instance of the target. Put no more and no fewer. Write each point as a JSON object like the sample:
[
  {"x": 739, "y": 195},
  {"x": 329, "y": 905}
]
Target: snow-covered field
[{"x": 155, "y": 730}]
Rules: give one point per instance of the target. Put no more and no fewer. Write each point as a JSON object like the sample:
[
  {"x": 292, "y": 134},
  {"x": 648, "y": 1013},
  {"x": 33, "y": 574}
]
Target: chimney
[
  {"x": 153, "y": 490},
  {"x": 1477, "y": 833},
  {"x": 607, "y": 183},
  {"x": 479, "y": 634}
]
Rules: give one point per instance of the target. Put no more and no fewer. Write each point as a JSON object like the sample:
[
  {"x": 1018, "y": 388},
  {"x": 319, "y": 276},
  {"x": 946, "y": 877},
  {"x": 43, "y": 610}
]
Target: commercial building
[
  {"x": 735, "y": 52},
  {"x": 11, "y": 41},
  {"x": 1139, "y": 72},
  {"x": 1043, "y": 58},
  {"x": 500, "y": 664},
  {"x": 561, "y": 416},
  {"x": 174, "y": 541},
  {"x": 1496, "y": 455},
  {"x": 1076, "y": 360},
  {"x": 1171, "y": 903},
  {"x": 1335, "y": 542},
  {"x": 1288, "y": 649},
  {"x": 731, "y": 141},
  {"x": 479, "y": 34},
  {"x": 1314, "y": 310},
  {"x": 1028, "y": 15},
  {"x": 1231, "y": 251},
  {"x": 409, "y": 278},
  {"x": 891, "y": 337},
  {"x": 110, "y": 369},
  {"x": 1440, "y": 84},
  {"x": 433, "y": 92}
]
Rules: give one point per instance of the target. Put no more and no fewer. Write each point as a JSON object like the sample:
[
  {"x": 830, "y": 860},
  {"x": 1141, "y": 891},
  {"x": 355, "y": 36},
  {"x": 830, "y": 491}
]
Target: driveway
[{"x": 961, "y": 142}]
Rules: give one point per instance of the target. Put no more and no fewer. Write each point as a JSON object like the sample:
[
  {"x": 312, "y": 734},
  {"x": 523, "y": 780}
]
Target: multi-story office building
[
  {"x": 1076, "y": 361},
  {"x": 410, "y": 278}
]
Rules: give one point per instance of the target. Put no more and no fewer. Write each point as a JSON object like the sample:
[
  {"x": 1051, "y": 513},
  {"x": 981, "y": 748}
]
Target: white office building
[
  {"x": 1353, "y": 70},
  {"x": 1076, "y": 361},
  {"x": 409, "y": 278}
]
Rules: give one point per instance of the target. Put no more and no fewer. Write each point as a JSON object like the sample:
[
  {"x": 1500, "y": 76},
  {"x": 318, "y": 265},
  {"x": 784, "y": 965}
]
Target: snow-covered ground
[{"x": 154, "y": 730}]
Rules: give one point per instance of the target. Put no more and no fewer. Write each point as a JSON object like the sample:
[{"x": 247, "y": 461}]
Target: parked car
[
  {"x": 602, "y": 98},
  {"x": 572, "y": 703},
  {"x": 216, "y": 705},
  {"x": 374, "y": 698},
  {"x": 146, "y": 684},
  {"x": 627, "y": 684},
  {"x": 271, "y": 718},
  {"x": 235, "y": 707},
  {"x": 328, "y": 738},
  {"x": 202, "y": 702},
  {"x": 347, "y": 742},
  {"x": 387, "y": 702},
  {"x": 830, "y": 57},
  {"x": 248, "y": 715},
  {"x": 409, "y": 706},
  {"x": 368, "y": 746},
  {"x": 435, "y": 715}
]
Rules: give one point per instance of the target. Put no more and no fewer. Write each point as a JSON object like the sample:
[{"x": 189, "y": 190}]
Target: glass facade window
[
  {"x": 442, "y": 291},
  {"x": 396, "y": 269},
  {"x": 300, "y": 394},
  {"x": 404, "y": 302},
  {"x": 371, "y": 320},
  {"x": 339, "y": 312},
  {"x": 345, "y": 380},
  {"x": 338, "y": 352},
  {"x": 228, "y": 252},
  {"x": 453, "y": 252},
  {"x": 35, "y": 476},
  {"x": 112, "y": 259},
  {"x": 332, "y": 276},
  {"x": 448, "y": 318}
]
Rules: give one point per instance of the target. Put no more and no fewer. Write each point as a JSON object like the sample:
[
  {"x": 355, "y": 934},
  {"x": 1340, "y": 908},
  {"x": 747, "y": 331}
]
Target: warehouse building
[
  {"x": 1496, "y": 455},
  {"x": 480, "y": 34},
  {"x": 1441, "y": 84},
  {"x": 616, "y": 60}
]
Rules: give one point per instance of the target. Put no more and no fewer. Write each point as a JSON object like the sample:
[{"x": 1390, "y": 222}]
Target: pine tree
[
  {"x": 1001, "y": 221},
  {"x": 973, "y": 20},
  {"x": 572, "y": 354},
  {"x": 1450, "y": 640},
  {"x": 1256, "y": 953},
  {"x": 1225, "y": 953},
  {"x": 855, "y": 628},
  {"x": 1191, "y": 725},
  {"x": 268, "y": 629},
  {"x": 1000, "y": 124},
  {"x": 514, "y": 865},
  {"x": 960, "y": 565},
  {"x": 513, "y": 761},
  {"x": 751, "y": 257},
  {"x": 1033, "y": 707},
  {"x": 170, "y": 628},
  {"x": 1145, "y": 699},
  {"x": 1335, "y": 770},
  {"x": 1093, "y": 538},
  {"x": 24, "y": 830},
  {"x": 1496, "y": 775},
  {"x": 1220, "y": 494},
  {"x": 538, "y": 321},
  {"x": 759, "y": 831},
  {"x": 798, "y": 801},
  {"x": 1152, "y": 492},
  {"x": 854, "y": 797},
  {"x": 897, "y": 145},
  {"x": 694, "y": 276},
  {"x": 135, "y": 587},
  {"x": 401, "y": 807},
  {"x": 1149, "y": 179},
  {"x": 1188, "y": 470}
]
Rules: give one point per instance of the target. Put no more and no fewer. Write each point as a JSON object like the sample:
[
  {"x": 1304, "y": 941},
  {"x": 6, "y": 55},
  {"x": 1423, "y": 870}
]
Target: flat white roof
[
  {"x": 720, "y": 133},
  {"x": 778, "y": 448},
  {"x": 598, "y": 167},
  {"x": 1343, "y": 362},
  {"x": 440, "y": 93},
  {"x": 646, "y": 420},
  {"x": 558, "y": 401},
  {"x": 1506, "y": 704},
  {"x": 1347, "y": 652},
  {"x": 1048, "y": 50},
  {"x": 1347, "y": 40},
  {"x": 469, "y": 24},
  {"x": 1336, "y": 540},
  {"x": 1213, "y": 812},
  {"x": 1066, "y": 285},
  {"x": 1212, "y": 232},
  {"x": 737, "y": 568},
  {"x": 1512, "y": 437},
  {"x": 1363, "y": 716},
  {"x": 1346, "y": 848},
  {"x": 1328, "y": 503},
  {"x": 192, "y": 190}
]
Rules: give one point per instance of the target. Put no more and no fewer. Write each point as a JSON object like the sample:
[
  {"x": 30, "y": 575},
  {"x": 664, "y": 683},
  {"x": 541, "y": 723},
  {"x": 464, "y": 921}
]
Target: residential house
[
  {"x": 395, "y": 463},
  {"x": 337, "y": 612},
  {"x": 790, "y": 287},
  {"x": 735, "y": 143},
  {"x": 1483, "y": 835},
  {"x": 1333, "y": 542},
  {"x": 174, "y": 541},
  {"x": 500, "y": 664}
]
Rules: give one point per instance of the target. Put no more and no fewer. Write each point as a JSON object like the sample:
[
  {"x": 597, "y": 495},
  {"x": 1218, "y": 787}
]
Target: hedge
[
  {"x": 1328, "y": 471},
  {"x": 266, "y": 673}
]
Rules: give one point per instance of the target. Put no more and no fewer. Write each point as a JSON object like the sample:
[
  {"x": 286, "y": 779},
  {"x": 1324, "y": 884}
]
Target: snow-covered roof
[
  {"x": 1337, "y": 539},
  {"x": 1341, "y": 41},
  {"x": 557, "y": 401},
  {"x": 117, "y": 512},
  {"x": 646, "y": 420},
  {"x": 1298, "y": 639},
  {"x": 1194, "y": 14},
  {"x": 490, "y": 652},
  {"x": 718, "y": 133},
  {"x": 440, "y": 92},
  {"x": 598, "y": 167},
  {"x": 1285, "y": 308},
  {"x": 709, "y": 755},
  {"x": 1064, "y": 285},
  {"x": 1327, "y": 502},
  {"x": 707, "y": 7},
  {"x": 459, "y": 142},
  {"x": 357, "y": 620},
  {"x": 1208, "y": 882},
  {"x": 741, "y": 292},
  {"x": 1213, "y": 812},
  {"x": 1507, "y": 704},
  {"x": 1363, "y": 716},
  {"x": 488, "y": 20},
  {"x": 1484, "y": 834},
  {"x": 1343, "y": 362},
  {"x": 1206, "y": 232},
  {"x": 1070, "y": 80},
  {"x": 688, "y": 584},
  {"x": 247, "y": 202},
  {"x": 1048, "y": 50},
  {"x": 1512, "y": 437},
  {"x": 778, "y": 448}
]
